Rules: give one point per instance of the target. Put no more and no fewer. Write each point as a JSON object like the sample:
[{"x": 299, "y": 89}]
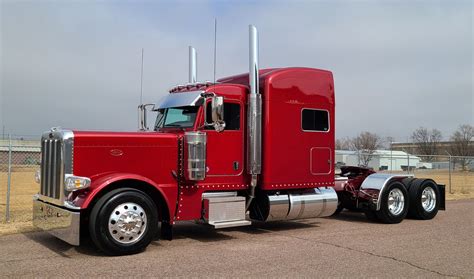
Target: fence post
[
  {"x": 408, "y": 159},
  {"x": 450, "y": 165},
  {"x": 7, "y": 211},
  {"x": 391, "y": 159}
]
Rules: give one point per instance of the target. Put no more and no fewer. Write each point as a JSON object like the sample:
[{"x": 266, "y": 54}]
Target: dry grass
[
  {"x": 21, "y": 203},
  {"x": 462, "y": 182},
  {"x": 24, "y": 187}
]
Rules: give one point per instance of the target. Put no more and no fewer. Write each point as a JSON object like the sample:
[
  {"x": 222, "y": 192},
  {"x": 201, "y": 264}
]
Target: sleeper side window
[
  {"x": 315, "y": 120},
  {"x": 231, "y": 116}
]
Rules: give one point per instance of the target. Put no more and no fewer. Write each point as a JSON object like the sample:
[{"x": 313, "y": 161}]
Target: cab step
[{"x": 224, "y": 210}]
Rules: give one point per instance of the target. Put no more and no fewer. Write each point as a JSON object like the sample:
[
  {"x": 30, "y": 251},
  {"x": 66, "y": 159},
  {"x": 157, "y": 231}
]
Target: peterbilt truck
[{"x": 255, "y": 147}]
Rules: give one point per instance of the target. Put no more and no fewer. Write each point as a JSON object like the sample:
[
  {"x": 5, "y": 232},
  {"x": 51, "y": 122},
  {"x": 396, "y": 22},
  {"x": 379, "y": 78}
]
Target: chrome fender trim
[{"x": 378, "y": 181}]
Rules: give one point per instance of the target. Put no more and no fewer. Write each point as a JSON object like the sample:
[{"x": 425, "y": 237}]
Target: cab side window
[
  {"x": 231, "y": 116},
  {"x": 315, "y": 120}
]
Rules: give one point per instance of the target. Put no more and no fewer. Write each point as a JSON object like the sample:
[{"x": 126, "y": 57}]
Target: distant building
[
  {"x": 24, "y": 152},
  {"x": 382, "y": 160}
]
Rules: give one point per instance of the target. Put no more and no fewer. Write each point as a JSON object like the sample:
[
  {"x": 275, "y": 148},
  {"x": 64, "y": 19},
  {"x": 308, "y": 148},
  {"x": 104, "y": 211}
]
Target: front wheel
[
  {"x": 394, "y": 204},
  {"x": 123, "y": 221}
]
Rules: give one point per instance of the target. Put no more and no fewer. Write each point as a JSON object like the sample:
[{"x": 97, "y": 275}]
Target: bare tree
[
  {"x": 427, "y": 142},
  {"x": 386, "y": 142},
  {"x": 366, "y": 144},
  {"x": 343, "y": 144},
  {"x": 463, "y": 144}
]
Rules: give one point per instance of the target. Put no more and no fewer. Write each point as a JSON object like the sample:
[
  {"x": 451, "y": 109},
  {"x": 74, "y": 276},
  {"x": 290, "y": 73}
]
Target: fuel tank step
[
  {"x": 230, "y": 224},
  {"x": 224, "y": 210}
]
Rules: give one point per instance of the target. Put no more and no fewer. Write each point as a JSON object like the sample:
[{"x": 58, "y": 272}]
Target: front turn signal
[{"x": 74, "y": 183}]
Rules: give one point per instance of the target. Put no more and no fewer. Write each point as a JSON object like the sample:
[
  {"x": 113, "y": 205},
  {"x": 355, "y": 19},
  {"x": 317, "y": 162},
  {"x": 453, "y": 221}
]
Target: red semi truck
[{"x": 250, "y": 147}]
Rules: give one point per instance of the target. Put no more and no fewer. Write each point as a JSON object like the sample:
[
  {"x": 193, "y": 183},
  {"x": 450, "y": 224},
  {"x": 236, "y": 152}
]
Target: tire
[
  {"x": 394, "y": 204},
  {"x": 424, "y": 199},
  {"x": 123, "y": 221},
  {"x": 408, "y": 182}
]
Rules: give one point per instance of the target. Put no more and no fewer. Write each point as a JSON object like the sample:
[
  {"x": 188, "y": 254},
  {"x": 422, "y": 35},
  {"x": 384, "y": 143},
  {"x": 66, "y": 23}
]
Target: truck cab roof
[{"x": 314, "y": 83}]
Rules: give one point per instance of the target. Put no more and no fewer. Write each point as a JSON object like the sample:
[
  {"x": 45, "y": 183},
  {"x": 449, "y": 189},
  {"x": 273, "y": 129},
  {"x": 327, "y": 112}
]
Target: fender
[
  {"x": 169, "y": 192},
  {"x": 378, "y": 182}
]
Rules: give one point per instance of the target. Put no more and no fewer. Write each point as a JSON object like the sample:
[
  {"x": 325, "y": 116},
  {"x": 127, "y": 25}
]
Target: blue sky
[{"x": 397, "y": 65}]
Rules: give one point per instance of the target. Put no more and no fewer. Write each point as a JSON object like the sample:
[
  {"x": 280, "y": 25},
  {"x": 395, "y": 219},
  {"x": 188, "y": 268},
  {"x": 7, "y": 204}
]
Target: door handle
[{"x": 236, "y": 165}]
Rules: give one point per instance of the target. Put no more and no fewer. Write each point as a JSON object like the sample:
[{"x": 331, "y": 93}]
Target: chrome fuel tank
[{"x": 317, "y": 202}]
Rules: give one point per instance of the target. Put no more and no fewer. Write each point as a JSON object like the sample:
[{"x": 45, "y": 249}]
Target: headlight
[
  {"x": 74, "y": 183},
  {"x": 38, "y": 176}
]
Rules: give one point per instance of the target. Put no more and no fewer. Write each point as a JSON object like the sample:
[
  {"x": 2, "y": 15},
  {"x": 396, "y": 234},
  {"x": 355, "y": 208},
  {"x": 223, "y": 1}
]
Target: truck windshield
[{"x": 182, "y": 117}]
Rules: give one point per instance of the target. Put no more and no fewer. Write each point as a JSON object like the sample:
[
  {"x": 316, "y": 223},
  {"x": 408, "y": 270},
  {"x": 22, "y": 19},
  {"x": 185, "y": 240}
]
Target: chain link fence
[
  {"x": 456, "y": 172},
  {"x": 19, "y": 160}
]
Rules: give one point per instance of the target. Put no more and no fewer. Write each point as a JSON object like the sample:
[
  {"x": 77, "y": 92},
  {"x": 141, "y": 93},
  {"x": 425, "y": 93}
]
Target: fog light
[
  {"x": 38, "y": 176},
  {"x": 74, "y": 183}
]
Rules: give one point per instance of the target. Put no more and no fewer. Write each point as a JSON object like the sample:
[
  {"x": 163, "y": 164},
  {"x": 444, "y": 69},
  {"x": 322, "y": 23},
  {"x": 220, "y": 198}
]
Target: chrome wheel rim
[
  {"x": 127, "y": 223},
  {"x": 396, "y": 201},
  {"x": 428, "y": 199}
]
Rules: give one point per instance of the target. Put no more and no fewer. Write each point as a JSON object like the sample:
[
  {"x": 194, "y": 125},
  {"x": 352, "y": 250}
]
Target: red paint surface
[
  {"x": 286, "y": 148},
  {"x": 291, "y": 158},
  {"x": 149, "y": 157}
]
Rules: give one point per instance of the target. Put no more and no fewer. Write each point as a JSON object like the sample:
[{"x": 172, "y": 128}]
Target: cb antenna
[
  {"x": 141, "y": 82},
  {"x": 215, "y": 48}
]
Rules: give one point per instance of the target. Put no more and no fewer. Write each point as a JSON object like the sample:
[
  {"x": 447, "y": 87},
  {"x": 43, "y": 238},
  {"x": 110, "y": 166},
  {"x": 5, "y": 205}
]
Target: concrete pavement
[{"x": 346, "y": 246}]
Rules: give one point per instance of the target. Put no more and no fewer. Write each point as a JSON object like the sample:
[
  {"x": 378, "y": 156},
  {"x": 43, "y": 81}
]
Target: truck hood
[{"x": 149, "y": 154}]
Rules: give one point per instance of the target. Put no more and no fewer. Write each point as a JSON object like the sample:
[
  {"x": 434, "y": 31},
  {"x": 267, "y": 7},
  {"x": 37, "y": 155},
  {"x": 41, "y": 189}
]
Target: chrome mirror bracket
[
  {"x": 217, "y": 113},
  {"x": 142, "y": 116}
]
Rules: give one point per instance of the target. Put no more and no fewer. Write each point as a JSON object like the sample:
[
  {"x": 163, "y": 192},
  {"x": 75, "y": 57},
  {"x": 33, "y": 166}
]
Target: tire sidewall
[
  {"x": 384, "y": 213},
  {"x": 103, "y": 237}
]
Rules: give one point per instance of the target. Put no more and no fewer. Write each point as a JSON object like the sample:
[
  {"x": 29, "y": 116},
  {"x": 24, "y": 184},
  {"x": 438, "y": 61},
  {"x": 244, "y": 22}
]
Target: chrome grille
[{"x": 51, "y": 168}]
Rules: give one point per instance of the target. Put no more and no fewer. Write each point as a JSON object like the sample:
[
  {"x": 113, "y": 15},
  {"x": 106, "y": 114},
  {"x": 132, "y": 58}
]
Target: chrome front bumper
[{"x": 60, "y": 222}]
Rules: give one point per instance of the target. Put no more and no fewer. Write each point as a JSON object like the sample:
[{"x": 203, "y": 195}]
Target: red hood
[
  {"x": 149, "y": 154},
  {"x": 126, "y": 138}
]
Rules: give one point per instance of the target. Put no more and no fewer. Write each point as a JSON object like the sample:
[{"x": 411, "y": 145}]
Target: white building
[{"x": 381, "y": 160}]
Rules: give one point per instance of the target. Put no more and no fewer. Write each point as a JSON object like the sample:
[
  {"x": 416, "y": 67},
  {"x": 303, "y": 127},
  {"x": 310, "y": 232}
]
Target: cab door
[{"x": 225, "y": 150}]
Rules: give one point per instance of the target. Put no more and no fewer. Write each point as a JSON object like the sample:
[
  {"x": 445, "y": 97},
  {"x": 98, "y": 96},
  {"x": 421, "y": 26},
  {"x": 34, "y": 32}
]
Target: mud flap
[{"x": 442, "y": 193}]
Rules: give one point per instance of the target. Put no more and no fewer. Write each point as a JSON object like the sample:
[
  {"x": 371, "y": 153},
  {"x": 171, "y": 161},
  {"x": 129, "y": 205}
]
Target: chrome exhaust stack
[
  {"x": 254, "y": 140},
  {"x": 192, "y": 65}
]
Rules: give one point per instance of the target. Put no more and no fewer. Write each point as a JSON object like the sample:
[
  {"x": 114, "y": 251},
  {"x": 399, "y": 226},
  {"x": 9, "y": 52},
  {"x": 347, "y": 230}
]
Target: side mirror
[
  {"x": 142, "y": 112},
  {"x": 217, "y": 111},
  {"x": 217, "y": 105}
]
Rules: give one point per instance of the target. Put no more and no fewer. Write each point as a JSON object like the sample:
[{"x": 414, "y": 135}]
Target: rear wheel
[
  {"x": 424, "y": 199},
  {"x": 394, "y": 204},
  {"x": 123, "y": 221}
]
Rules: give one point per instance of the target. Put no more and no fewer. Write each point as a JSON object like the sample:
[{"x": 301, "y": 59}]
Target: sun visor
[{"x": 173, "y": 100}]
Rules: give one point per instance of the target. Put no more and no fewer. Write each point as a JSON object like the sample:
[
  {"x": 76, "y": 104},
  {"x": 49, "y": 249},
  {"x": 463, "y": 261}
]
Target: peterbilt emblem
[{"x": 116, "y": 152}]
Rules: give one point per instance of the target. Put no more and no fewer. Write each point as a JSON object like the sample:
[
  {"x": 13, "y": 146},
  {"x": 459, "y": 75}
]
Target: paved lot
[{"x": 347, "y": 246}]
